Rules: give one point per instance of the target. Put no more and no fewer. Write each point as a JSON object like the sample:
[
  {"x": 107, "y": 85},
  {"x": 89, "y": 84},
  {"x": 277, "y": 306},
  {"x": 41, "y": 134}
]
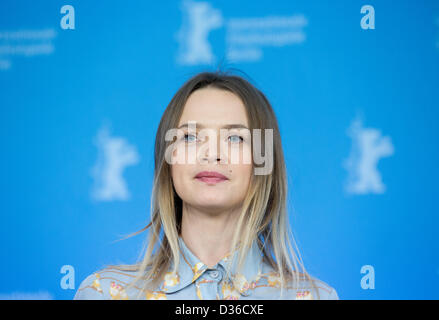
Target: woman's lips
[
  {"x": 211, "y": 177},
  {"x": 210, "y": 180}
]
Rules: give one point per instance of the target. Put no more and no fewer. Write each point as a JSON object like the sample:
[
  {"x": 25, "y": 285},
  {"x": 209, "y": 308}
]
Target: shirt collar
[{"x": 191, "y": 268}]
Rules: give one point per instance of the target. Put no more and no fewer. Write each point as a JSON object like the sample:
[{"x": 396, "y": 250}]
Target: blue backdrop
[{"x": 354, "y": 85}]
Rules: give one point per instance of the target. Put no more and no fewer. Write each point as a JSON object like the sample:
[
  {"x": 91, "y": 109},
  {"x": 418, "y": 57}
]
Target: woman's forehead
[{"x": 214, "y": 108}]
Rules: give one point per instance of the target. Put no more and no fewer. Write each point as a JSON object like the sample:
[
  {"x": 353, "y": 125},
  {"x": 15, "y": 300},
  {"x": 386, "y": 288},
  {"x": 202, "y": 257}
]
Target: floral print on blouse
[{"x": 195, "y": 280}]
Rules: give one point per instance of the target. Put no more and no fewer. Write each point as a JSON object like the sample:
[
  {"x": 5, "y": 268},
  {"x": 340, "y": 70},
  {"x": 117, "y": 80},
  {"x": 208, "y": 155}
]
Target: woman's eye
[
  {"x": 235, "y": 139},
  {"x": 189, "y": 138}
]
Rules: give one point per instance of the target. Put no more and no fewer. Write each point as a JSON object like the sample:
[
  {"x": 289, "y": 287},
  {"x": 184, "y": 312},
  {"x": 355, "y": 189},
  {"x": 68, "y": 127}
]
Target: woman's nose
[{"x": 213, "y": 150}]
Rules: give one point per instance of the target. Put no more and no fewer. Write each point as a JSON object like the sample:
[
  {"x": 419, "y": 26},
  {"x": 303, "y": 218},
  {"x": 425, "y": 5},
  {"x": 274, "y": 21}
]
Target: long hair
[{"x": 264, "y": 216}]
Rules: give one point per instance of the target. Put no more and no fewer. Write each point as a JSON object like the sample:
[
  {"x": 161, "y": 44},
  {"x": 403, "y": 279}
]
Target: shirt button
[{"x": 214, "y": 274}]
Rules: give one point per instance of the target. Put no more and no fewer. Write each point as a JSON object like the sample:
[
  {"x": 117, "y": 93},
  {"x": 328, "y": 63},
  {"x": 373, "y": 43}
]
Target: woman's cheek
[
  {"x": 242, "y": 175},
  {"x": 177, "y": 178}
]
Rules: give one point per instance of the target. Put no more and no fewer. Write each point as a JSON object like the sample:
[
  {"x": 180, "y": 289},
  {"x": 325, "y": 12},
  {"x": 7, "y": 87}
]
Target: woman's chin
[{"x": 212, "y": 203}]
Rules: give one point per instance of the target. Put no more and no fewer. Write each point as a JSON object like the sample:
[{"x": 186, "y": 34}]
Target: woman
[{"x": 219, "y": 226}]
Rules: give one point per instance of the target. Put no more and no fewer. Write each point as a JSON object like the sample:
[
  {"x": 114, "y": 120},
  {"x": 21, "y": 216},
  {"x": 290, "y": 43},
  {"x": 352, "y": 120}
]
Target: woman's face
[{"x": 221, "y": 181}]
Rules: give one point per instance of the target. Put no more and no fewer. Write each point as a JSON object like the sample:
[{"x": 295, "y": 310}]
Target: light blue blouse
[{"x": 195, "y": 280}]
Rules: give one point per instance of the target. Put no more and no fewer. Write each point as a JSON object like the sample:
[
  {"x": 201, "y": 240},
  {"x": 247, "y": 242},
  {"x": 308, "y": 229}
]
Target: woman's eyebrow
[{"x": 227, "y": 126}]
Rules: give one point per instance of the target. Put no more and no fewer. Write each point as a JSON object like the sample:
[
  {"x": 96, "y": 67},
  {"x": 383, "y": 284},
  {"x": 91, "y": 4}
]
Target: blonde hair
[{"x": 264, "y": 216}]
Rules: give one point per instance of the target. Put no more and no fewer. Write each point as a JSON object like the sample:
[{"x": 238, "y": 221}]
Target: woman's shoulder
[
  {"x": 302, "y": 286},
  {"x": 307, "y": 287},
  {"x": 312, "y": 288},
  {"x": 110, "y": 283}
]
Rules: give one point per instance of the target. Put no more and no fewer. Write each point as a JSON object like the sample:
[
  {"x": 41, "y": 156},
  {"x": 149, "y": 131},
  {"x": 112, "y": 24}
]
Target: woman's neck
[{"x": 208, "y": 236}]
